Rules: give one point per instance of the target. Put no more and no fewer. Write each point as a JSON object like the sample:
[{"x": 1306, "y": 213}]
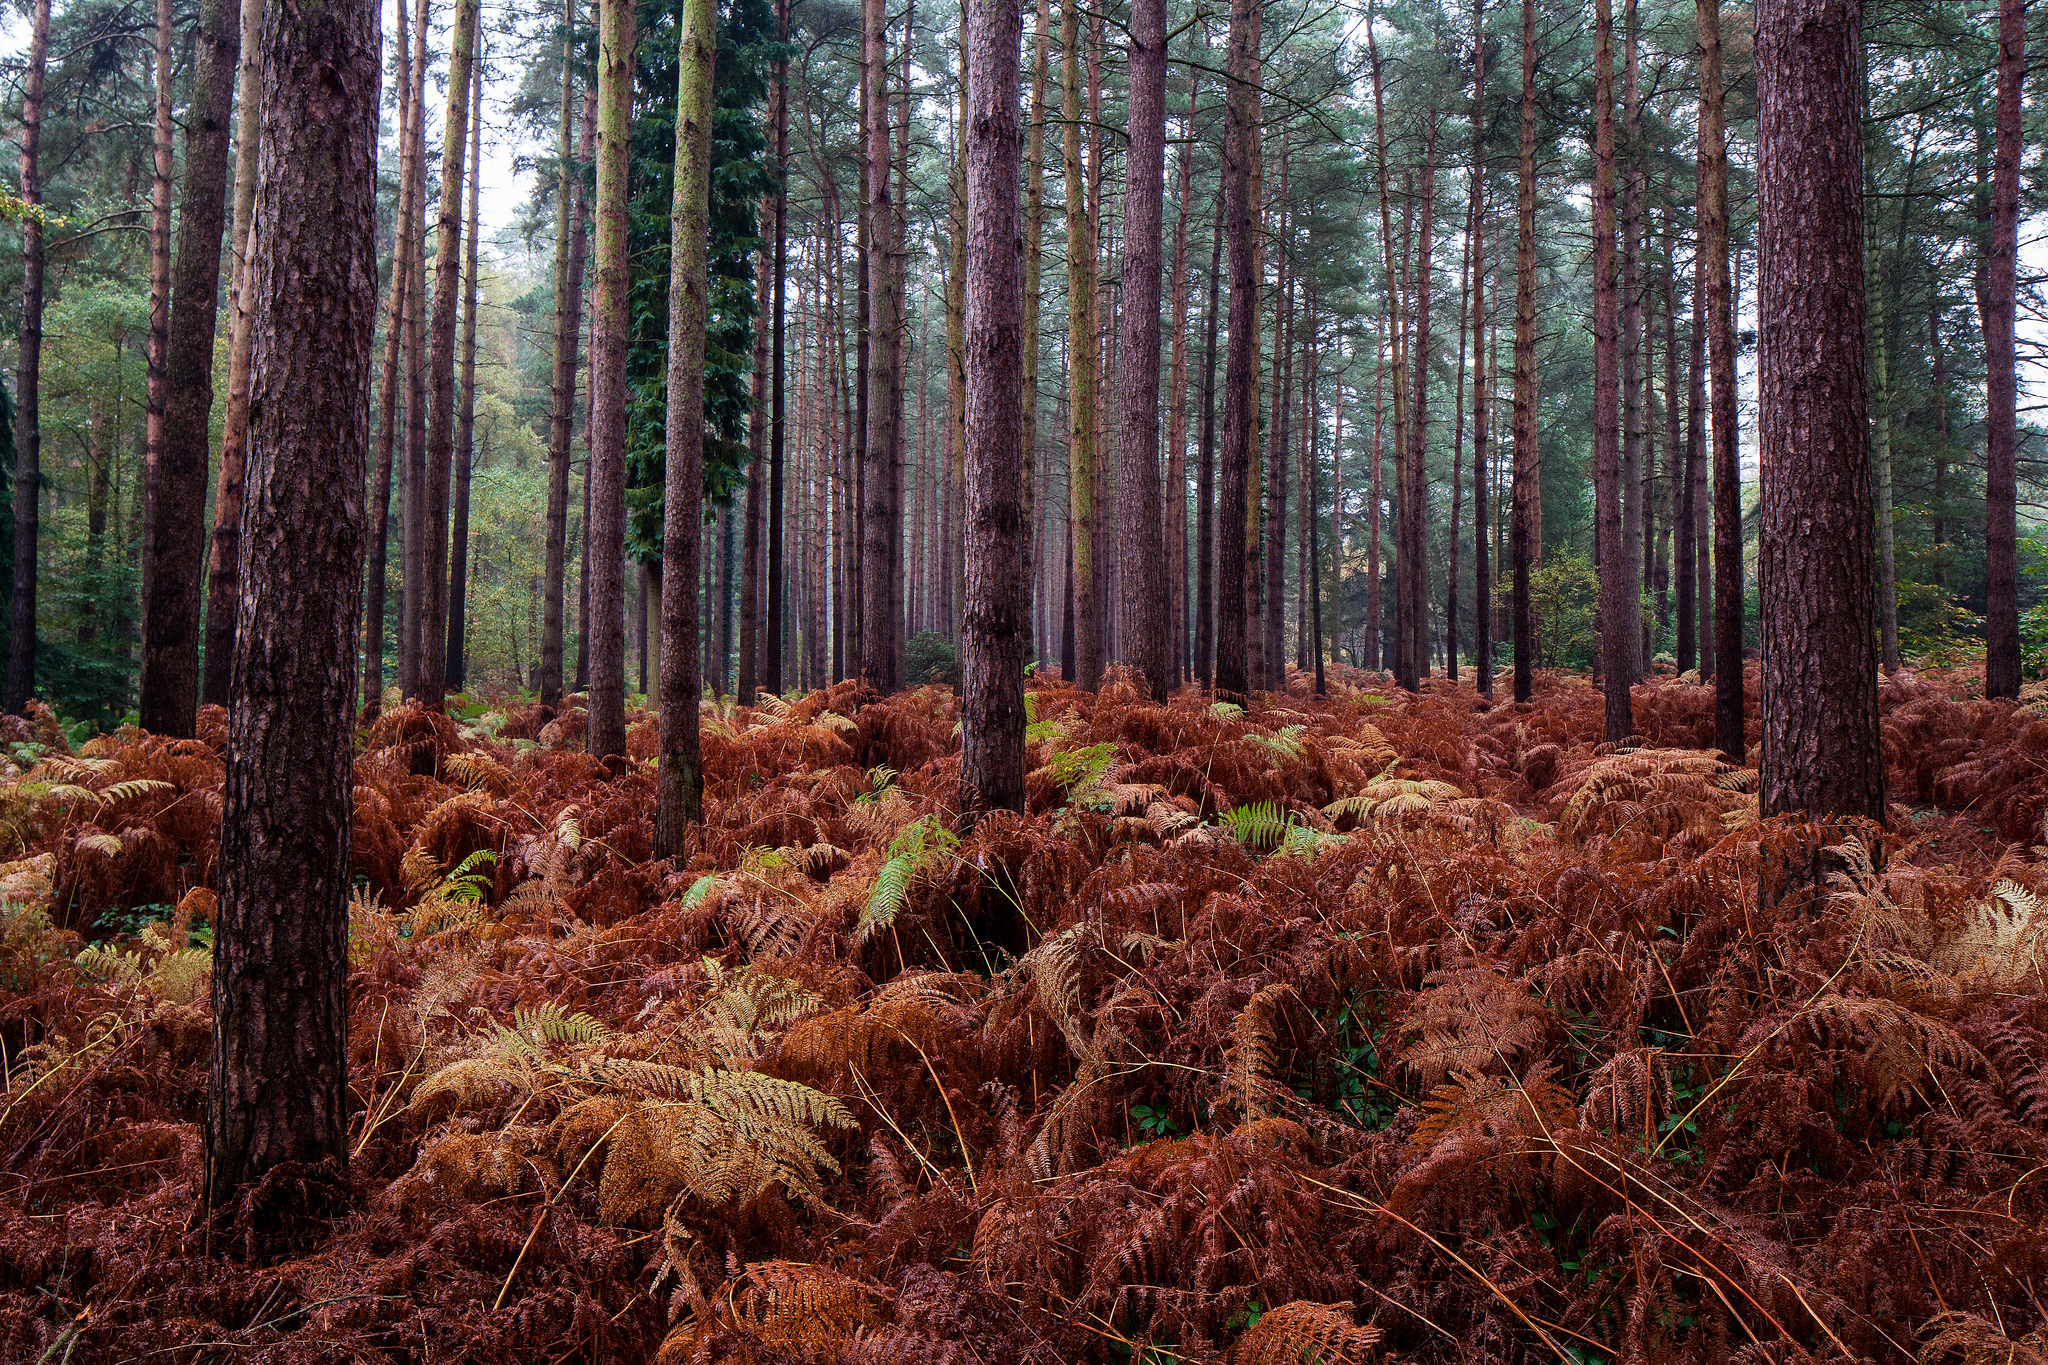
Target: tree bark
[
  {"x": 679, "y": 778},
  {"x": 1272, "y": 538},
  {"x": 1178, "y": 668},
  {"x": 465, "y": 419},
  {"x": 223, "y": 577},
  {"x": 1815, "y": 559},
  {"x": 1085, "y": 363},
  {"x": 607, "y": 440},
  {"x": 2001, "y": 390},
  {"x": 388, "y": 386},
  {"x": 1034, "y": 269},
  {"x": 1144, "y": 605},
  {"x": 280, "y": 1076},
  {"x": 1713, "y": 264},
  {"x": 778, "y": 118},
  {"x": 1240, "y": 400},
  {"x": 1619, "y": 611},
  {"x": 1205, "y": 478},
  {"x": 994, "y": 625},
  {"x": 160, "y": 673},
  {"x": 881, "y": 587},
  {"x": 1415, "y": 501},
  {"x": 1634, "y": 347},
  {"x": 1374, "y": 627},
  {"x": 1482, "y": 414},
  {"x": 1689, "y": 478},
  {"x": 28, "y": 431},
  {"x": 569, "y": 248},
  {"x": 751, "y": 601},
  {"x": 433, "y": 675},
  {"x": 413, "y": 481}
]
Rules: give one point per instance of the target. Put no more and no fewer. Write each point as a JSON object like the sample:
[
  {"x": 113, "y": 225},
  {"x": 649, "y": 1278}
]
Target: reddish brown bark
[
  {"x": 1816, "y": 556},
  {"x": 2001, "y": 389}
]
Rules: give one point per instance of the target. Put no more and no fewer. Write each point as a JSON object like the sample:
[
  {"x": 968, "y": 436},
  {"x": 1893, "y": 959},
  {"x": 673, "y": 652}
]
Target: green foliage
[
  {"x": 1565, "y": 595},
  {"x": 1935, "y": 627},
  {"x": 916, "y": 851},
  {"x": 931, "y": 658}
]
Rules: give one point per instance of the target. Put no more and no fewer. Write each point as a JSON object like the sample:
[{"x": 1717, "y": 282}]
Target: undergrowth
[{"x": 1323, "y": 1030}]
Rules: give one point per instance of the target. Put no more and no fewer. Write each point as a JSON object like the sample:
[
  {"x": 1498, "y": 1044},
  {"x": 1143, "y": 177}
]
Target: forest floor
[{"x": 1372, "y": 1027}]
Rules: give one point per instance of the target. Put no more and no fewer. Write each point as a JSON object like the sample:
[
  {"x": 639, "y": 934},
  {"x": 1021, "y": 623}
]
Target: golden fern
[
  {"x": 2003, "y": 944},
  {"x": 1304, "y": 1333}
]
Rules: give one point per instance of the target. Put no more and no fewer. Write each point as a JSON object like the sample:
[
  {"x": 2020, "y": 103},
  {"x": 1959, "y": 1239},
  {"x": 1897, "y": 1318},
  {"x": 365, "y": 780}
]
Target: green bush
[{"x": 932, "y": 659}]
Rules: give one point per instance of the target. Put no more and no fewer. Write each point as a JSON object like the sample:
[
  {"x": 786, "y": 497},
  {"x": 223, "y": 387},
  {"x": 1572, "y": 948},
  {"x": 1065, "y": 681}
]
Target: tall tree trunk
[
  {"x": 881, "y": 588},
  {"x": 1618, "y": 607},
  {"x": 465, "y": 420},
  {"x": 223, "y": 576},
  {"x": 1374, "y": 609},
  {"x": 778, "y": 118},
  {"x": 388, "y": 388},
  {"x": 441, "y": 350},
  {"x": 170, "y": 647},
  {"x": 28, "y": 431},
  {"x": 1273, "y": 536},
  {"x": 607, "y": 529},
  {"x": 1240, "y": 399},
  {"x": 1144, "y": 609},
  {"x": 1881, "y": 454},
  {"x": 679, "y": 777},
  {"x": 1815, "y": 558},
  {"x": 1482, "y": 413},
  {"x": 1205, "y": 477},
  {"x": 1177, "y": 667},
  {"x": 1465, "y": 272},
  {"x": 1415, "y": 504},
  {"x": 1082, "y": 456},
  {"x": 1034, "y": 269},
  {"x": 994, "y": 623},
  {"x": 2001, "y": 391},
  {"x": 1712, "y": 256},
  {"x": 414, "y": 480},
  {"x": 1940, "y": 396},
  {"x": 751, "y": 601},
  {"x": 1697, "y": 458},
  {"x": 1311, "y": 495},
  {"x": 280, "y": 1061},
  {"x": 1633, "y": 339},
  {"x": 1396, "y": 328},
  {"x": 569, "y": 249},
  {"x": 1686, "y": 525},
  {"x": 158, "y": 630}
]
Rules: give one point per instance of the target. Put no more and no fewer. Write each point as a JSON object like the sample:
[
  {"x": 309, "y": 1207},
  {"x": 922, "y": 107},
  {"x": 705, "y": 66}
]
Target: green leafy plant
[{"x": 920, "y": 847}]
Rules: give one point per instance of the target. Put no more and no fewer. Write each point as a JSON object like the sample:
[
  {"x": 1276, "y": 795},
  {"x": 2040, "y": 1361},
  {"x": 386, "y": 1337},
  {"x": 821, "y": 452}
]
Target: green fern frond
[
  {"x": 1259, "y": 825},
  {"x": 1284, "y": 744},
  {"x": 699, "y": 889},
  {"x": 1225, "y": 710},
  {"x": 134, "y": 787}
]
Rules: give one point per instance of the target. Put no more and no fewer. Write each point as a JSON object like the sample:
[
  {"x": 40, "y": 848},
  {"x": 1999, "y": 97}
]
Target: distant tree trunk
[
  {"x": 1205, "y": 478},
  {"x": 679, "y": 779},
  {"x": 433, "y": 677},
  {"x": 28, "y": 431},
  {"x": 280, "y": 1061},
  {"x": 1482, "y": 425},
  {"x": 1940, "y": 397},
  {"x": 994, "y": 626},
  {"x": 1084, "y": 365},
  {"x": 1634, "y": 346},
  {"x": 606, "y": 534},
  {"x": 583, "y": 558},
  {"x": 1395, "y": 328},
  {"x": 1177, "y": 411},
  {"x": 778, "y": 119},
  {"x": 158, "y": 630},
  {"x": 1375, "y": 628},
  {"x": 1881, "y": 454},
  {"x": 1280, "y": 433},
  {"x": 1687, "y": 522},
  {"x": 1414, "y": 505},
  {"x": 465, "y": 420},
  {"x": 1311, "y": 494},
  {"x": 881, "y": 588},
  {"x": 170, "y": 648},
  {"x": 1526, "y": 485},
  {"x": 1697, "y": 459},
  {"x": 1240, "y": 400},
  {"x": 223, "y": 576},
  {"x": 388, "y": 395},
  {"x": 1618, "y": 609},
  {"x": 414, "y": 480},
  {"x": 2001, "y": 421},
  {"x": 751, "y": 602},
  {"x": 569, "y": 248},
  {"x": 1822, "y": 753},
  {"x": 1466, "y": 271},
  {"x": 1145, "y": 604},
  {"x": 1034, "y": 269},
  {"x": 1712, "y": 256}
]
